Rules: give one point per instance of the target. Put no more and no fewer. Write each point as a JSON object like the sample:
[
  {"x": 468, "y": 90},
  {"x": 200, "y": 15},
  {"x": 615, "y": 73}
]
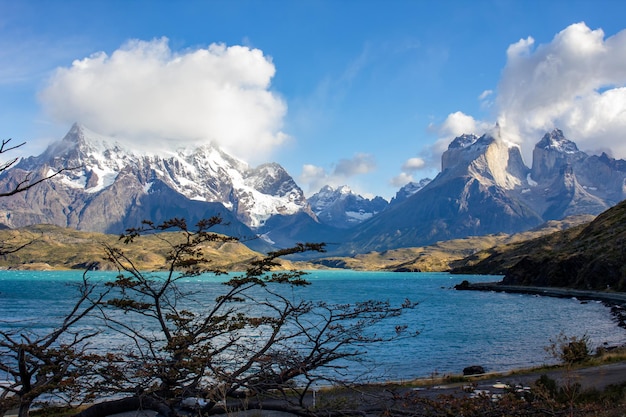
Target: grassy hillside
[
  {"x": 443, "y": 256},
  {"x": 52, "y": 247},
  {"x": 590, "y": 256}
]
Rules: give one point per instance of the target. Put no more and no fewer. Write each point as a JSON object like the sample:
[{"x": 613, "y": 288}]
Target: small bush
[
  {"x": 576, "y": 350},
  {"x": 570, "y": 350}
]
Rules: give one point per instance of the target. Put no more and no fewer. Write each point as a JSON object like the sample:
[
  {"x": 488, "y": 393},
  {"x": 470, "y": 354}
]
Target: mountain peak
[
  {"x": 555, "y": 140},
  {"x": 342, "y": 208},
  {"x": 200, "y": 174},
  {"x": 408, "y": 190},
  {"x": 488, "y": 158},
  {"x": 553, "y": 152},
  {"x": 463, "y": 141}
]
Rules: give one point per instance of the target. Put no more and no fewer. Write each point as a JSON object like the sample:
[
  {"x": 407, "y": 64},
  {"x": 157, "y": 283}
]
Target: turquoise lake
[{"x": 456, "y": 328}]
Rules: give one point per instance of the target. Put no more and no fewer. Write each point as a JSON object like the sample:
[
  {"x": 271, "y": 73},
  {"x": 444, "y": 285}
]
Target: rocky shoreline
[{"x": 616, "y": 301}]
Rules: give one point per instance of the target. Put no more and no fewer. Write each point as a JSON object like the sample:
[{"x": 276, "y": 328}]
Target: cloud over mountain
[
  {"x": 149, "y": 93},
  {"x": 316, "y": 177},
  {"x": 576, "y": 82}
]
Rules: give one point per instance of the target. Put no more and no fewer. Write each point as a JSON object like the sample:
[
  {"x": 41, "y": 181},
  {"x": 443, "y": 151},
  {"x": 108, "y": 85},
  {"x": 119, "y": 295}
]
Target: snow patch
[
  {"x": 106, "y": 177},
  {"x": 78, "y": 182},
  {"x": 266, "y": 237},
  {"x": 359, "y": 215},
  {"x": 203, "y": 173}
]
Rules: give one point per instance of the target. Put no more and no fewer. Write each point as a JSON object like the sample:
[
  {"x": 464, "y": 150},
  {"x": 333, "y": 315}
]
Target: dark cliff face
[
  {"x": 475, "y": 194},
  {"x": 460, "y": 207},
  {"x": 591, "y": 257},
  {"x": 484, "y": 187},
  {"x": 551, "y": 154}
]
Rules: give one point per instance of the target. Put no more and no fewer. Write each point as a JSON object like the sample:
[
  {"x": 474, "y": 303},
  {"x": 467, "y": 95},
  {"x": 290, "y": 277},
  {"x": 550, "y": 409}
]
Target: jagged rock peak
[
  {"x": 551, "y": 153},
  {"x": 199, "y": 173},
  {"x": 88, "y": 140},
  {"x": 341, "y": 207},
  {"x": 555, "y": 140},
  {"x": 409, "y": 190},
  {"x": 463, "y": 141},
  {"x": 342, "y": 190},
  {"x": 329, "y": 194},
  {"x": 488, "y": 158}
]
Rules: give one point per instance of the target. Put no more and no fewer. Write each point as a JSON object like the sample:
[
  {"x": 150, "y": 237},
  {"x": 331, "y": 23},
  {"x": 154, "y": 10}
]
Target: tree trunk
[{"x": 24, "y": 409}]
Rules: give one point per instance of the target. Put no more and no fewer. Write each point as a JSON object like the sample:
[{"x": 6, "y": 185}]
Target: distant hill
[
  {"x": 444, "y": 255},
  {"x": 49, "y": 247},
  {"x": 590, "y": 256},
  {"x": 53, "y": 247}
]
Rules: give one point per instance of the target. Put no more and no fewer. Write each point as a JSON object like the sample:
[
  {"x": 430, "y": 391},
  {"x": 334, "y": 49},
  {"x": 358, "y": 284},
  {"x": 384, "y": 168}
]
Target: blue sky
[{"x": 363, "y": 93}]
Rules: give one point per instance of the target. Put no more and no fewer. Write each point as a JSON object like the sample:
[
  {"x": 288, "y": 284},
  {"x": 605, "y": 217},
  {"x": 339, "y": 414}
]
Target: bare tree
[
  {"x": 52, "y": 364},
  {"x": 249, "y": 345},
  {"x": 43, "y": 364},
  {"x": 19, "y": 184},
  {"x": 28, "y": 181}
]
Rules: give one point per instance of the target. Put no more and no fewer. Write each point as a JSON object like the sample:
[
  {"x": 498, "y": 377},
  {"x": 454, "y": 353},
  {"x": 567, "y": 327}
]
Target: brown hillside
[
  {"x": 591, "y": 256},
  {"x": 53, "y": 247}
]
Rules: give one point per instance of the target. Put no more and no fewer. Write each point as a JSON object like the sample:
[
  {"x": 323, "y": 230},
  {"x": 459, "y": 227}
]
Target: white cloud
[
  {"x": 459, "y": 123},
  {"x": 361, "y": 163},
  {"x": 485, "y": 94},
  {"x": 401, "y": 180},
  {"x": 413, "y": 164},
  {"x": 409, "y": 167},
  {"x": 456, "y": 124},
  {"x": 575, "y": 82},
  {"x": 486, "y": 100},
  {"x": 315, "y": 177},
  {"x": 150, "y": 94}
]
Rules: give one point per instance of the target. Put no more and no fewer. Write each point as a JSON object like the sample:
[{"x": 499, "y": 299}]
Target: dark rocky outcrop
[
  {"x": 473, "y": 370},
  {"x": 589, "y": 257}
]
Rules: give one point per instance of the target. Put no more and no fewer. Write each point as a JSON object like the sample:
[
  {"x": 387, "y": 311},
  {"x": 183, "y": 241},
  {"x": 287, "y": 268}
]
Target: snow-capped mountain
[
  {"x": 342, "y": 208},
  {"x": 564, "y": 180},
  {"x": 111, "y": 183},
  {"x": 484, "y": 187},
  {"x": 408, "y": 190}
]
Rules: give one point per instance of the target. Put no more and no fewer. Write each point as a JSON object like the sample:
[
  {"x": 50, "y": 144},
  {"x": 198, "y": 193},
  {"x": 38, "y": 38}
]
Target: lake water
[{"x": 457, "y": 328}]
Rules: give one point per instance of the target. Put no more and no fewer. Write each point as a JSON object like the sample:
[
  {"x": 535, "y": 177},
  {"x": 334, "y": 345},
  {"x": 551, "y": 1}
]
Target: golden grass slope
[
  {"x": 52, "y": 247},
  {"x": 445, "y": 255}
]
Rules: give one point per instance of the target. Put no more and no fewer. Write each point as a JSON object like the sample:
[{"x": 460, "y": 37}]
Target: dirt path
[{"x": 598, "y": 377}]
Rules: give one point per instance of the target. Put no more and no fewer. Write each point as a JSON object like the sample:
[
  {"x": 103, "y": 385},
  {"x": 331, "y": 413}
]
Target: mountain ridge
[{"x": 484, "y": 187}]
